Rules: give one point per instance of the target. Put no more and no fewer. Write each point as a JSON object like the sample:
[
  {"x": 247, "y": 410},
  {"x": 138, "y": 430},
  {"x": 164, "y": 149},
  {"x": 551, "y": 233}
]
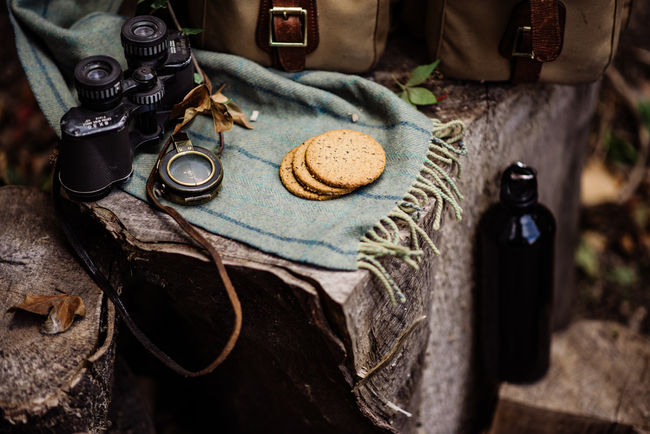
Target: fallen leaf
[{"x": 60, "y": 310}]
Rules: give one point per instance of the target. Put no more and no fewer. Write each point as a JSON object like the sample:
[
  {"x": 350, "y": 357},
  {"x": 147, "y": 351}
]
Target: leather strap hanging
[
  {"x": 534, "y": 35},
  {"x": 288, "y": 31},
  {"x": 99, "y": 278}
]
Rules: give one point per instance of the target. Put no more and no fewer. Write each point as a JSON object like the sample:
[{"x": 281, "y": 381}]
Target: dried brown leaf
[
  {"x": 235, "y": 111},
  {"x": 221, "y": 118},
  {"x": 195, "y": 98},
  {"x": 60, "y": 310},
  {"x": 199, "y": 101}
]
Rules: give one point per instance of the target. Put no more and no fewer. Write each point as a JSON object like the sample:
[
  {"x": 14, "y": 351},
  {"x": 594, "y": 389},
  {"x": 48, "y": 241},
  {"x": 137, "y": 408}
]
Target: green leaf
[
  {"x": 158, "y": 4},
  {"x": 198, "y": 78},
  {"x": 421, "y": 96},
  {"x": 421, "y": 73},
  {"x": 405, "y": 96},
  {"x": 587, "y": 259},
  {"x": 189, "y": 31}
]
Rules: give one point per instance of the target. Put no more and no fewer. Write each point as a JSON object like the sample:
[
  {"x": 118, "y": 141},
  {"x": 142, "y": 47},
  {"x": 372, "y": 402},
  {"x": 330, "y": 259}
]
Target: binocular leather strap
[
  {"x": 111, "y": 293},
  {"x": 214, "y": 255}
]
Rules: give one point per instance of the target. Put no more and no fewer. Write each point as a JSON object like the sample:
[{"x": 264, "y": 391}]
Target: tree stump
[
  {"x": 324, "y": 350},
  {"x": 49, "y": 383},
  {"x": 598, "y": 382}
]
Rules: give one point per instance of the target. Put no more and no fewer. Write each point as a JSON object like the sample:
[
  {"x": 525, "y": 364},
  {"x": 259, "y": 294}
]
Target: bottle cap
[{"x": 519, "y": 185}]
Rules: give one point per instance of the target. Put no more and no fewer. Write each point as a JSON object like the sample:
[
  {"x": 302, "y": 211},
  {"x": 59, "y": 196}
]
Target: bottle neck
[{"x": 519, "y": 209}]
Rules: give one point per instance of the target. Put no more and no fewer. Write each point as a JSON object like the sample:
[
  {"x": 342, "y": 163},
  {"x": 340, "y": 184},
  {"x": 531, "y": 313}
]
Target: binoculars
[{"x": 122, "y": 110}]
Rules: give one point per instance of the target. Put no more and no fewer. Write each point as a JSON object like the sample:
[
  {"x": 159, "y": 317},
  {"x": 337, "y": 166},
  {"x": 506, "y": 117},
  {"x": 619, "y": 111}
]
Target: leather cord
[{"x": 101, "y": 280}]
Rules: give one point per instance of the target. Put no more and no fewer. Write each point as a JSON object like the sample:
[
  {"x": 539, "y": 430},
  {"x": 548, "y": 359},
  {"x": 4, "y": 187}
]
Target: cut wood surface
[
  {"x": 599, "y": 381},
  {"x": 324, "y": 350},
  {"x": 48, "y": 383}
]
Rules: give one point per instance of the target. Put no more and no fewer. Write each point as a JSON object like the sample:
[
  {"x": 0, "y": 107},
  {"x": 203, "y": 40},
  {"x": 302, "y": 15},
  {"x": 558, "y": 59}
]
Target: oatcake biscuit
[
  {"x": 307, "y": 179},
  {"x": 290, "y": 182},
  {"x": 345, "y": 158}
]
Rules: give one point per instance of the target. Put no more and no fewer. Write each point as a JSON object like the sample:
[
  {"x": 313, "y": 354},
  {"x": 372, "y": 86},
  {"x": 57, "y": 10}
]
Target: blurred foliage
[
  {"x": 587, "y": 259},
  {"x": 623, "y": 275},
  {"x": 619, "y": 150},
  {"x": 27, "y": 141},
  {"x": 644, "y": 111},
  {"x": 613, "y": 255}
]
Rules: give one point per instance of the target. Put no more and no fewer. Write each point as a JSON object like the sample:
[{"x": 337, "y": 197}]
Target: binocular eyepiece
[
  {"x": 144, "y": 38},
  {"x": 100, "y": 84}
]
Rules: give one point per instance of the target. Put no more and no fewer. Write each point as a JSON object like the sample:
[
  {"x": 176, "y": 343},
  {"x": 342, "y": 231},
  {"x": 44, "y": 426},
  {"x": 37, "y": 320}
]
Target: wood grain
[{"x": 61, "y": 380}]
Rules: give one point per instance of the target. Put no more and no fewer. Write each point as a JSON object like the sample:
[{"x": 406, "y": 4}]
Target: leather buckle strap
[
  {"x": 288, "y": 31},
  {"x": 522, "y": 46},
  {"x": 285, "y": 13},
  {"x": 534, "y": 36}
]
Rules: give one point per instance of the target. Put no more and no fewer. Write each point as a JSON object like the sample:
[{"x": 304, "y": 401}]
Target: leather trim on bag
[
  {"x": 295, "y": 22},
  {"x": 519, "y": 43},
  {"x": 546, "y": 29},
  {"x": 612, "y": 50}
]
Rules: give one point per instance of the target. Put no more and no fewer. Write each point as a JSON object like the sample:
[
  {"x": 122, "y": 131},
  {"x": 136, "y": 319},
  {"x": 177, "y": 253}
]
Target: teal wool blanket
[{"x": 253, "y": 206}]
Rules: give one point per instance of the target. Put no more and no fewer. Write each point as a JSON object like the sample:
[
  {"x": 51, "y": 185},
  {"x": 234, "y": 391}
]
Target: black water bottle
[{"x": 516, "y": 243}]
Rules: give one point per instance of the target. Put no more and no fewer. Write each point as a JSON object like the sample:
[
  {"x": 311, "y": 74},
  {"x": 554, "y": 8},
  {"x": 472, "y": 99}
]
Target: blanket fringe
[{"x": 434, "y": 181}]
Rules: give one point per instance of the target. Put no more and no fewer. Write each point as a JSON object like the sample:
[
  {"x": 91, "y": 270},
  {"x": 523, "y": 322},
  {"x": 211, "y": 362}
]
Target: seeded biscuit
[
  {"x": 290, "y": 182},
  {"x": 345, "y": 158},
  {"x": 304, "y": 177}
]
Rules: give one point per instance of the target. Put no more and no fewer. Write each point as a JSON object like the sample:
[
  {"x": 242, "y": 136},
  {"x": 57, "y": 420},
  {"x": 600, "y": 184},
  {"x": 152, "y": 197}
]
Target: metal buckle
[
  {"x": 515, "y": 47},
  {"x": 285, "y": 12}
]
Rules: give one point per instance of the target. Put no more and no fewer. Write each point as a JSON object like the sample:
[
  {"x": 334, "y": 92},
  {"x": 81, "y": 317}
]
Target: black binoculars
[{"x": 120, "y": 111}]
